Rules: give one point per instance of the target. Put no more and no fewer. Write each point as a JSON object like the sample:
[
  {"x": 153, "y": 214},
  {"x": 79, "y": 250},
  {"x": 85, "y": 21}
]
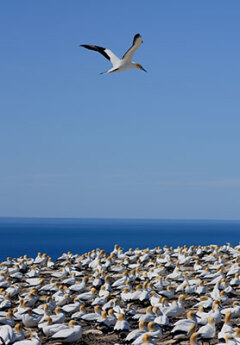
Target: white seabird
[{"x": 119, "y": 65}]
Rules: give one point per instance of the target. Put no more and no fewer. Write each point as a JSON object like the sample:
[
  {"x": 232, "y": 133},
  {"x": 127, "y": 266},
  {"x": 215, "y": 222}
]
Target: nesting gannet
[
  {"x": 235, "y": 281},
  {"x": 185, "y": 326},
  {"x": 201, "y": 289},
  {"x": 80, "y": 287},
  {"x": 215, "y": 312},
  {"x": 18, "y": 333},
  {"x": 107, "y": 319},
  {"x": 69, "y": 335},
  {"x": 6, "y": 303},
  {"x": 103, "y": 292},
  {"x": 42, "y": 310},
  {"x": 111, "y": 317},
  {"x": 154, "y": 330},
  {"x": 78, "y": 314},
  {"x": 13, "y": 290},
  {"x": 229, "y": 340},
  {"x": 72, "y": 307},
  {"x": 59, "y": 315},
  {"x": 34, "y": 340},
  {"x": 205, "y": 302},
  {"x": 209, "y": 330},
  {"x": 227, "y": 326},
  {"x": 235, "y": 310},
  {"x": 176, "y": 308},
  {"x": 93, "y": 316},
  {"x": 121, "y": 324},
  {"x": 71, "y": 280},
  {"x": 118, "y": 64},
  {"x": 6, "y": 334},
  {"x": 49, "y": 328},
  {"x": 31, "y": 298},
  {"x": 148, "y": 316},
  {"x": 142, "y": 328},
  {"x": 61, "y": 300},
  {"x": 126, "y": 295},
  {"x": 145, "y": 340},
  {"x": 29, "y": 319},
  {"x": 87, "y": 296},
  {"x": 202, "y": 316},
  {"x": 7, "y": 319}
]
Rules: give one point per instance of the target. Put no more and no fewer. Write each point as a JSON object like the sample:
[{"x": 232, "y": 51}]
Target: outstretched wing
[
  {"x": 107, "y": 53},
  {"x": 137, "y": 41}
]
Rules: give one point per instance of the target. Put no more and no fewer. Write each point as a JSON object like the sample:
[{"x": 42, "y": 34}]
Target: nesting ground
[{"x": 160, "y": 285}]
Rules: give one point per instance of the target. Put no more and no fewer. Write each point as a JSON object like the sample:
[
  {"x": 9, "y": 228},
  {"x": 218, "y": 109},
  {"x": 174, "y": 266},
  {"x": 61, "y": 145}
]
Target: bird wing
[
  {"x": 63, "y": 333},
  {"x": 107, "y": 53},
  {"x": 137, "y": 41}
]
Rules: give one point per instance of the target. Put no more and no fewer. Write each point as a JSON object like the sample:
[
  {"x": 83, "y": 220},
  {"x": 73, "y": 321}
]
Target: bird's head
[{"x": 140, "y": 67}]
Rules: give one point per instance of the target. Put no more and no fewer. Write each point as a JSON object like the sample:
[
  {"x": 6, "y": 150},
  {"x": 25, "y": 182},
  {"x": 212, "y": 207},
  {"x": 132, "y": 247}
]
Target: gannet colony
[{"x": 187, "y": 295}]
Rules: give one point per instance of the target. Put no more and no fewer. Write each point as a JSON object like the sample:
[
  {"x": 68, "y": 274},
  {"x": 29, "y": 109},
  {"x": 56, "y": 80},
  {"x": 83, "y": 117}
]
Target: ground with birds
[{"x": 163, "y": 295}]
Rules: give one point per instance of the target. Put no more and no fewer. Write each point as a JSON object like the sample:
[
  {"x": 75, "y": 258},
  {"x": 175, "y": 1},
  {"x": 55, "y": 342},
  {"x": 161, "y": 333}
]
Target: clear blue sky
[{"x": 162, "y": 144}]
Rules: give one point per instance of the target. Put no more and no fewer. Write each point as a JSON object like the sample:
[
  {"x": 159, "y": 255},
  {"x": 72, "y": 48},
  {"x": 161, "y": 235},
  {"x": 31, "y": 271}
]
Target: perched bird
[
  {"x": 227, "y": 326},
  {"x": 6, "y": 334},
  {"x": 185, "y": 326},
  {"x": 142, "y": 329},
  {"x": 208, "y": 331},
  {"x": 229, "y": 340},
  {"x": 18, "y": 333},
  {"x": 145, "y": 340},
  {"x": 30, "y": 320},
  {"x": 69, "y": 335},
  {"x": 119, "y": 65},
  {"x": 34, "y": 340},
  {"x": 121, "y": 324}
]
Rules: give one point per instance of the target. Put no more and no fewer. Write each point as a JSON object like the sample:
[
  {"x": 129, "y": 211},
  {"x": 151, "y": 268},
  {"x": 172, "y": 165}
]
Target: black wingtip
[
  {"x": 136, "y": 37},
  {"x": 101, "y": 50}
]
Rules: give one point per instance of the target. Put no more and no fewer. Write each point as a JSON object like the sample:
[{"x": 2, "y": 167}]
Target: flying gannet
[{"x": 119, "y": 65}]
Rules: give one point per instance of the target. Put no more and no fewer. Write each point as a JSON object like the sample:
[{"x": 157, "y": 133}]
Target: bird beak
[{"x": 143, "y": 69}]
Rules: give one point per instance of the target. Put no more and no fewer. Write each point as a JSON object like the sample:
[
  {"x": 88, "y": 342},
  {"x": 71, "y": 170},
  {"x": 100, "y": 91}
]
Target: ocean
[{"x": 20, "y": 236}]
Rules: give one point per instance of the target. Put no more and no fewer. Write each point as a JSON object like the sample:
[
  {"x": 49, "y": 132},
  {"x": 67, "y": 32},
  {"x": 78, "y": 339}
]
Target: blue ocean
[{"x": 19, "y": 236}]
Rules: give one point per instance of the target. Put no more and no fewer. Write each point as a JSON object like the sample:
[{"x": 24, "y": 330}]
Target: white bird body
[
  {"x": 69, "y": 335},
  {"x": 72, "y": 307},
  {"x": 137, "y": 332},
  {"x": 119, "y": 65},
  {"x": 79, "y": 287},
  {"x": 209, "y": 330},
  {"x": 227, "y": 326},
  {"x": 235, "y": 310},
  {"x": 49, "y": 330},
  {"x": 162, "y": 320},
  {"x": 33, "y": 341},
  {"x": 6, "y": 334},
  {"x": 121, "y": 324},
  {"x": 30, "y": 320},
  {"x": 93, "y": 316}
]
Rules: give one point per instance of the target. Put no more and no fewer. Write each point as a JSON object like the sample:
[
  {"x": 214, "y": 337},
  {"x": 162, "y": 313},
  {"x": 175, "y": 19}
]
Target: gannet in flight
[{"x": 118, "y": 64}]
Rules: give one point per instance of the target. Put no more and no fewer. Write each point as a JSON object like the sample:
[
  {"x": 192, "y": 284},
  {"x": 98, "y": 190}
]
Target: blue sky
[{"x": 162, "y": 144}]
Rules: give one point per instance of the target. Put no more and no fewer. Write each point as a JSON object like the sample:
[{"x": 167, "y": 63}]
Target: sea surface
[{"x": 19, "y": 236}]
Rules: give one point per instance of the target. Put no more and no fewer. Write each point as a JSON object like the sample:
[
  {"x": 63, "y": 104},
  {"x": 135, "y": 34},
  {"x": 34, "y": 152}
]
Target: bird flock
[{"x": 184, "y": 295}]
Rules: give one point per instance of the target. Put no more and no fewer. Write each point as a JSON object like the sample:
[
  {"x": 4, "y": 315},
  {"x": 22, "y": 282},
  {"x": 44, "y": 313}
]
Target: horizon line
[{"x": 117, "y": 218}]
